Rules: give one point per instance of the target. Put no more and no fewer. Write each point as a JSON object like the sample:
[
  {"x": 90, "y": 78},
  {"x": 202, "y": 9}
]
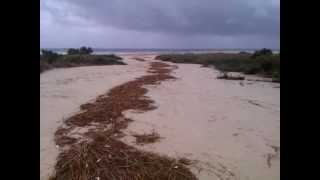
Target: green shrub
[
  {"x": 263, "y": 62},
  {"x": 75, "y": 60}
]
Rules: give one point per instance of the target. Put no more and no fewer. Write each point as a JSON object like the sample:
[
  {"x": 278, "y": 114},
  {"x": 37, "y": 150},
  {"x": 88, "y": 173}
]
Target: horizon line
[{"x": 163, "y": 48}]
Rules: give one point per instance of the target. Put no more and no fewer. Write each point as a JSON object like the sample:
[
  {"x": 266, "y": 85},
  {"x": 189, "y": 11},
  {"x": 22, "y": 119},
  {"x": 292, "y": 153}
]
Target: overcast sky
[{"x": 160, "y": 23}]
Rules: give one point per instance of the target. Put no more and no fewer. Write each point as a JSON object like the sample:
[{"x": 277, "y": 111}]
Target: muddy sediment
[{"x": 96, "y": 151}]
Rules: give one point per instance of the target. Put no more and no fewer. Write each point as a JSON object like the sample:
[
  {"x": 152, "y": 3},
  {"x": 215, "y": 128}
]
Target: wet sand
[
  {"x": 232, "y": 130},
  {"x": 62, "y": 91}
]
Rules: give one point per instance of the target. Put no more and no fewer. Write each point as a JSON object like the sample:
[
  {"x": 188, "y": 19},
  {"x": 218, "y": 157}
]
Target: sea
[{"x": 157, "y": 51}]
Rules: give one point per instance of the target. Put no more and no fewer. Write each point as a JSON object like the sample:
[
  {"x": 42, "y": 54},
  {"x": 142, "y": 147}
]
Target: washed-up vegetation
[
  {"x": 75, "y": 58},
  {"x": 99, "y": 153},
  {"x": 147, "y": 138},
  {"x": 262, "y": 62}
]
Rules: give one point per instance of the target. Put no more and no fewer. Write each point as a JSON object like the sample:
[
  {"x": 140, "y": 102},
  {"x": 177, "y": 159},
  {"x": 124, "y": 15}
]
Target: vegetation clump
[
  {"x": 147, "y": 138},
  {"x": 262, "y": 62},
  {"x": 262, "y": 52},
  {"x": 75, "y": 58}
]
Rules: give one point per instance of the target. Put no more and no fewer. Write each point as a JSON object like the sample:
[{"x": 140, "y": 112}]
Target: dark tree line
[{"x": 82, "y": 50}]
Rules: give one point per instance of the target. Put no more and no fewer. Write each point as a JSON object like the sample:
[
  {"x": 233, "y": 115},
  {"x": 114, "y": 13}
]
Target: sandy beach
[
  {"x": 62, "y": 91},
  {"x": 230, "y": 129}
]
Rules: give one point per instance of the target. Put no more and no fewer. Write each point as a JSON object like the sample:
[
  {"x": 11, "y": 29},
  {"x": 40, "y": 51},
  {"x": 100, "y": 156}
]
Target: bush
[
  {"x": 82, "y": 50},
  {"x": 262, "y": 52},
  {"x": 81, "y": 59},
  {"x": 72, "y": 51},
  {"x": 263, "y": 63},
  {"x": 76, "y": 60},
  {"x": 48, "y": 56},
  {"x": 86, "y": 50}
]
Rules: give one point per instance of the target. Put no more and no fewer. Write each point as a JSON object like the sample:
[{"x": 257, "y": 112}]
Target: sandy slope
[
  {"x": 231, "y": 129},
  {"x": 62, "y": 91}
]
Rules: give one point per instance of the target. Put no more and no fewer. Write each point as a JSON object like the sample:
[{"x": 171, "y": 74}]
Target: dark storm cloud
[
  {"x": 160, "y": 23},
  {"x": 223, "y": 17}
]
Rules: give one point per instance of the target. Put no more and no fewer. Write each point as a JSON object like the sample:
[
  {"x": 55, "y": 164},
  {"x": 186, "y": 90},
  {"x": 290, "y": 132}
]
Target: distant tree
[
  {"x": 90, "y": 50},
  {"x": 85, "y": 50},
  {"x": 73, "y": 51},
  {"x": 262, "y": 52},
  {"x": 47, "y": 53},
  {"x": 82, "y": 50}
]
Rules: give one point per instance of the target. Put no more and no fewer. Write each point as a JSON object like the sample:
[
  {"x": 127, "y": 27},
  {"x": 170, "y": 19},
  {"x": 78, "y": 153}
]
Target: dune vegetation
[
  {"x": 75, "y": 58},
  {"x": 262, "y": 62}
]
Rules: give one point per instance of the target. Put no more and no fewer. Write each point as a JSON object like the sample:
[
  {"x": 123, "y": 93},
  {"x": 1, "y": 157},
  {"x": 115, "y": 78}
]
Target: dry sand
[
  {"x": 231, "y": 129},
  {"x": 62, "y": 91}
]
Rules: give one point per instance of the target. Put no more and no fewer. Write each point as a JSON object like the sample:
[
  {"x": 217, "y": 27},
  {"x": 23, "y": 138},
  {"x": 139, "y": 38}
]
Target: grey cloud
[
  {"x": 225, "y": 17},
  {"x": 160, "y": 23}
]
